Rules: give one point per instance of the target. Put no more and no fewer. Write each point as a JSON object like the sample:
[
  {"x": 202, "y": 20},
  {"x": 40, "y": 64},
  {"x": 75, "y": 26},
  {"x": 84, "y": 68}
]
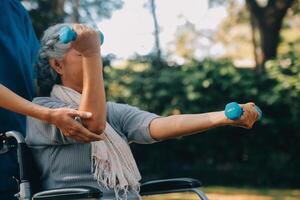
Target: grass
[{"x": 233, "y": 193}]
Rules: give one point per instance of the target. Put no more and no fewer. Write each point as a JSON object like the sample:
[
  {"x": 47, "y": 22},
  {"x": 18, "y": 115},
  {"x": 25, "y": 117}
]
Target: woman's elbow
[
  {"x": 101, "y": 127},
  {"x": 97, "y": 127}
]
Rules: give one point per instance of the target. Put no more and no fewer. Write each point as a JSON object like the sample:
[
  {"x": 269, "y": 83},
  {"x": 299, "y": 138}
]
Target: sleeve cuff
[{"x": 145, "y": 129}]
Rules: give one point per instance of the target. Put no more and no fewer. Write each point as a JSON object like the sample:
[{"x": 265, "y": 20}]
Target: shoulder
[
  {"x": 127, "y": 115},
  {"x": 124, "y": 109},
  {"x": 120, "y": 109},
  {"x": 112, "y": 106}
]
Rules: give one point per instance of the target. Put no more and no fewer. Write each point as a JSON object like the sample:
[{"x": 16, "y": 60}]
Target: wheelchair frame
[{"x": 26, "y": 187}]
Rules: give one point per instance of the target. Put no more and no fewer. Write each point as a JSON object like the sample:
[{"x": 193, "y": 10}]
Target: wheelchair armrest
[
  {"x": 83, "y": 192},
  {"x": 168, "y": 185}
]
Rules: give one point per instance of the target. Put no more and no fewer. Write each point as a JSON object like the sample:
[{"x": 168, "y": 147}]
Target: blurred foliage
[
  {"x": 235, "y": 33},
  {"x": 186, "y": 42},
  {"x": 244, "y": 31},
  {"x": 267, "y": 155},
  {"x": 45, "y": 13}
]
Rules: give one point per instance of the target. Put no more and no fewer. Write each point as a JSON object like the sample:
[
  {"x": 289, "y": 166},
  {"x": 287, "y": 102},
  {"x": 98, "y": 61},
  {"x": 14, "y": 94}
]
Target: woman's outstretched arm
[
  {"x": 63, "y": 118},
  {"x": 187, "y": 124}
]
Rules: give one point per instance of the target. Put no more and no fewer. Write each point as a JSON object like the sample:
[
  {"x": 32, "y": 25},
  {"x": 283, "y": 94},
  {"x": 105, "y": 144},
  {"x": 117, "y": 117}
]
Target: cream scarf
[{"x": 113, "y": 164}]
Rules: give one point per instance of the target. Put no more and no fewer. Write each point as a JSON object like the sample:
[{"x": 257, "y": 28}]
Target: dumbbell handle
[
  {"x": 67, "y": 35},
  {"x": 234, "y": 111}
]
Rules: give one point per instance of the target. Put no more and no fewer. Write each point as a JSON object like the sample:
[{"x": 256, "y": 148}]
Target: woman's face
[{"x": 70, "y": 70}]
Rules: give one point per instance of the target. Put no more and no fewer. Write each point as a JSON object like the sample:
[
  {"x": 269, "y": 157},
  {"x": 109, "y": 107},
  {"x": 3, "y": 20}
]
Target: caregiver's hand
[
  {"x": 87, "y": 42},
  {"x": 249, "y": 117},
  {"x": 63, "y": 118}
]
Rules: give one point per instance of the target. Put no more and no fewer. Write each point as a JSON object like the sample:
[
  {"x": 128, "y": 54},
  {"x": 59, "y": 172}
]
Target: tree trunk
[
  {"x": 75, "y": 13},
  {"x": 269, "y": 22},
  {"x": 58, "y": 7},
  {"x": 255, "y": 44},
  {"x": 269, "y": 38},
  {"x": 156, "y": 30},
  {"x": 47, "y": 13}
]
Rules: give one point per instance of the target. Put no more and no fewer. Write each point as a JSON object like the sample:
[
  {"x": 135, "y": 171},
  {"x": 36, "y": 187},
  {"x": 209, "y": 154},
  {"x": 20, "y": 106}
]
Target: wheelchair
[{"x": 29, "y": 187}]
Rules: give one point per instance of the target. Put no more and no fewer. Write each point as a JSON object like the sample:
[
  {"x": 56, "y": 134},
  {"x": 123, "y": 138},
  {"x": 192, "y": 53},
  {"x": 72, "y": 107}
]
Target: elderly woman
[{"x": 71, "y": 76}]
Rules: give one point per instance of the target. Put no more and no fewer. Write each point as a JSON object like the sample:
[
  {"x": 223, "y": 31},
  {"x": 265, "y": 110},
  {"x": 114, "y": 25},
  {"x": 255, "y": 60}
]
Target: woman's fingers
[
  {"x": 78, "y": 28},
  {"x": 88, "y": 40},
  {"x": 249, "y": 116},
  {"x": 251, "y": 103},
  {"x": 254, "y": 111}
]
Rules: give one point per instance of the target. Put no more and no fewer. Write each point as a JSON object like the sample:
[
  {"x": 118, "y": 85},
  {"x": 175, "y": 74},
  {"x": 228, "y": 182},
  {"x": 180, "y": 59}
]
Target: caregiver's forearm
[
  {"x": 62, "y": 118},
  {"x": 15, "y": 103},
  {"x": 182, "y": 125},
  {"x": 93, "y": 93}
]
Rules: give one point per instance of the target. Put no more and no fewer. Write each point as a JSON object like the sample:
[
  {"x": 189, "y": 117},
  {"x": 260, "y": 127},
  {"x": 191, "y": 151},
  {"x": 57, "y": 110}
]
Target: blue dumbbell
[
  {"x": 67, "y": 35},
  {"x": 233, "y": 111}
]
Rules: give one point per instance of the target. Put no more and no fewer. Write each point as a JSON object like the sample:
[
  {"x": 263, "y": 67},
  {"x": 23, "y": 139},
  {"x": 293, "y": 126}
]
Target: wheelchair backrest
[
  {"x": 32, "y": 170},
  {"x": 28, "y": 169}
]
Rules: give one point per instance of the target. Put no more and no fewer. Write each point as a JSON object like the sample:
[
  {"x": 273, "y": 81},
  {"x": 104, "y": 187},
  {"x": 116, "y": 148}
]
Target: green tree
[
  {"x": 44, "y": 13},
  {"x": 236, "y": 35},
  {"x": 186, "y": 42},
  {"x": 89, "y": 10},
  {"x": 266, "y": 19}
]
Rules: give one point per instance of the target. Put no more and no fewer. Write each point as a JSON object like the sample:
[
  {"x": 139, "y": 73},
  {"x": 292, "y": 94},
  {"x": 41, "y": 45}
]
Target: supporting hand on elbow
[
  {"x": 64, "y": 119},
  {"x": 97, "y": 128}
]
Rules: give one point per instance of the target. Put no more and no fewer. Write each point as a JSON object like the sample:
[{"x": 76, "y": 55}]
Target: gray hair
[{"x": 50, "y": 47}]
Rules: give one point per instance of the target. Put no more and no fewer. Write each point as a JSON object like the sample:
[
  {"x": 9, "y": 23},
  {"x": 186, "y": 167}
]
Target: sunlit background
[
  {"x": 135, "y": 33},
  {"x": 194, "y": 56}
]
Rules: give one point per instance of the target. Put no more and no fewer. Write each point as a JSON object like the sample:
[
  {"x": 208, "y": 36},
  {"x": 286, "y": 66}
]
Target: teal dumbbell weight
[
  {"x": 234, "y": 111},
  {"x": 67, "y": 35}
]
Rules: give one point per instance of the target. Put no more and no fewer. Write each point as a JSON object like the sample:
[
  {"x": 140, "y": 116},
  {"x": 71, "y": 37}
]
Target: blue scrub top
[{"x": 18, "y": 48}]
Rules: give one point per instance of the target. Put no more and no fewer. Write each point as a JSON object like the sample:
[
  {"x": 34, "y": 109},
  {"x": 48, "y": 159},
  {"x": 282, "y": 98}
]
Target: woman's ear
[{"x": 56, "y": 65}]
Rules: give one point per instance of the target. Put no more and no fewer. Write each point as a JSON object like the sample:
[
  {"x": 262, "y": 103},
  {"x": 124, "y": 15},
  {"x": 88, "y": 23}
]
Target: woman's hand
[
  {"x": 87, "y": 42},
  {"x": 64, "y": 119},
  {"x": 249, "y": 117}
]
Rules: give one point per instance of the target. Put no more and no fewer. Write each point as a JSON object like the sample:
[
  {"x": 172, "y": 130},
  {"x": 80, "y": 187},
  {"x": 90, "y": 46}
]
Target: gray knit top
[{"x": 65, "y": 162}]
